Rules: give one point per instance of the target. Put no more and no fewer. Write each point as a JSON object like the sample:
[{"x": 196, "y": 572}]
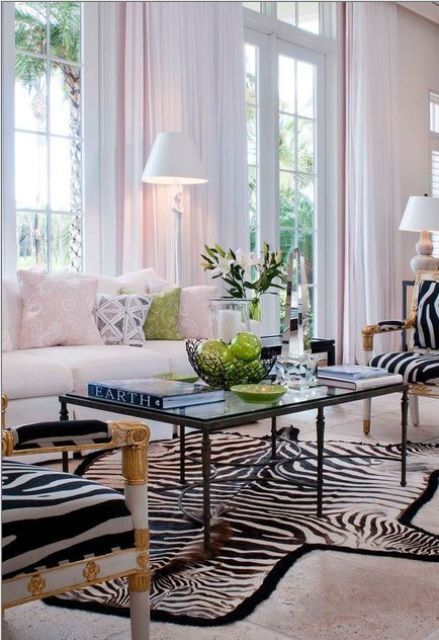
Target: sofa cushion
[
  {"x": 51, "y": 517},
  {"x": 57, "y": 310},
  {"x": 27, "y": 375},
  {"x": 120, "y": 319},
  {"x": 106, "y": 362},
  {"x": 162, "y": 318},
  {"x": 175, "y": 351},
  {"x": 195, "y": 317}
]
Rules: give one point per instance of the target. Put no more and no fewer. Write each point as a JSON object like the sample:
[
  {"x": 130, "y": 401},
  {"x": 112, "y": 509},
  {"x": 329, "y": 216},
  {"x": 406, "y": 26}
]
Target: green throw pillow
[{"x": 161, "y": 321}]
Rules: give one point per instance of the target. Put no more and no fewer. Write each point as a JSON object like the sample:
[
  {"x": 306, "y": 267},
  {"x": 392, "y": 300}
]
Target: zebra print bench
[{"x": 61, "y": 532}]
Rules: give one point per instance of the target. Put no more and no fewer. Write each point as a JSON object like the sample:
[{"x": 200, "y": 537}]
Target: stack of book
[
  {"x": 153, "y": 393},
  {"x": 356, "y": 377}
]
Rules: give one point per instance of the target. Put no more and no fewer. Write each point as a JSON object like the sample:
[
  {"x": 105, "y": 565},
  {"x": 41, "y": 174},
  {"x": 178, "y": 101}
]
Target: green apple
[
  {"x": 235, "y": 372},
  {"x": 212, "y": 355},
  {"x": 256, "y": 371},
  {"x": 246, "y": 347},
  {"x": 214, "y": 349}
]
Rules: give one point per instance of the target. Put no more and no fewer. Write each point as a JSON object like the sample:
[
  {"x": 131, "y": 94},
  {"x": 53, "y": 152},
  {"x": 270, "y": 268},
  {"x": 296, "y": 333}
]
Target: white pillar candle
[{"x": 229, "y": 324}]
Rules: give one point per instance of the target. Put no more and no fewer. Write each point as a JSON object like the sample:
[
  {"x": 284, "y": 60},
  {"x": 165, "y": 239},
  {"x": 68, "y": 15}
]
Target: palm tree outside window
[{"x": 48, "y": 135}]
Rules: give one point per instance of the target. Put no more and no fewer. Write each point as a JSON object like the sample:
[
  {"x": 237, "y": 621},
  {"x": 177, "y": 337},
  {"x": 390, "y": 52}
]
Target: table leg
[
  {"x": 320, "y": 427},
  {"x": 206, "y": 491},
  {"x": 182, "y": 454},
  {"x": 273, "y": 438},
  {"x": 64, "y": 415},
  {"x": 404, "y": 414},
  {"x": 174, "y": 431}
]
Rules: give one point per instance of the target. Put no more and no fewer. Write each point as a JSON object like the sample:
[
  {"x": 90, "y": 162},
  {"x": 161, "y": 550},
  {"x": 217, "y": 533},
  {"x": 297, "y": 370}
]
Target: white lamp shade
[
  {"x": 421, "y": 214},
  {"x": 174, "y": 159}
]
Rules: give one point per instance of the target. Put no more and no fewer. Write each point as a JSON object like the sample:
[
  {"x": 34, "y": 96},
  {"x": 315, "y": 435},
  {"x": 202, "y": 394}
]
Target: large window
[
  {"x": 49, "y": 63},
  {"x": 286, "y": 114},
  {"x": 304, "y": 15},
  {"x": 48, "y": 135}
]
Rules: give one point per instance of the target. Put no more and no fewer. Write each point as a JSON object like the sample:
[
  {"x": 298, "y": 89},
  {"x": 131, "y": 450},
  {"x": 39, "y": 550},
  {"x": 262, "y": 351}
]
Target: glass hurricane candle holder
[
  {"x": 229, "y": 317},
  {"x": 296, "y": 371}
]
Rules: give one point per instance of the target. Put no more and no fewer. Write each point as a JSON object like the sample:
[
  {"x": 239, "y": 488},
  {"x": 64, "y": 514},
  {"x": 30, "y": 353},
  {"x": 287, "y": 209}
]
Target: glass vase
[
  {"x": 255, "y": 309},
  {"x": 229, "y": 317}
]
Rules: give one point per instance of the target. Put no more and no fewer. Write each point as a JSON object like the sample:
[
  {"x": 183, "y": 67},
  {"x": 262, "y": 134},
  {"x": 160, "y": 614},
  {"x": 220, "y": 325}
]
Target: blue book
[
  {"x": 351, "y": 372},
  {"x": 154, "y": 393}
]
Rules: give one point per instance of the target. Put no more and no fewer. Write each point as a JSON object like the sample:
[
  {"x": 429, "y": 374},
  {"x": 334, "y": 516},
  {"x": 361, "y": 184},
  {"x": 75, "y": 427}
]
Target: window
[
  {"x": 48, "y": 135},
  {"x": 434, "y": 155},
  {"x": 286, "y": 96},
  {"x": 251, "y": 85},
  {"x": 51, "y": 168},
  {"x": 304, "y": 15}
]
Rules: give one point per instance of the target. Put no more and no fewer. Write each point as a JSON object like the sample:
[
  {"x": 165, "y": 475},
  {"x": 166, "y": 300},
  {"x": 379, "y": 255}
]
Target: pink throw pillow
[
  {"x": 195, "y": 317},
  {"x": 57, "y": 311}
]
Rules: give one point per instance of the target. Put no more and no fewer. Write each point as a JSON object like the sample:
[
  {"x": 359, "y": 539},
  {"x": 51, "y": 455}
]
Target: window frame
[
  {"x": 275, "y": 38},
  {"x": 90, "y": 137}
]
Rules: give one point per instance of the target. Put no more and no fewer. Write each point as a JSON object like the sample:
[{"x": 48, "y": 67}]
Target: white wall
[{"x": 418, "y": 73}]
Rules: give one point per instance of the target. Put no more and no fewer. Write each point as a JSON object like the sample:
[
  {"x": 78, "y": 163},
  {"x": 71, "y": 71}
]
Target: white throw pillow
[
  {"x": 136, "y": 281},
  {"x": 195, "y": 317},
  {"x": 120, "y": 319},
  {"x": 157, "y": 284}
]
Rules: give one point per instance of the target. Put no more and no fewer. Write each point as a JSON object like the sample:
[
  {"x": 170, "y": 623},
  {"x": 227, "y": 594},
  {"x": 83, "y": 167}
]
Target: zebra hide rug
[{"x": 263, "y": 525}]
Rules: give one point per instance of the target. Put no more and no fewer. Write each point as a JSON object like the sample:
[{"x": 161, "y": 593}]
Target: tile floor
[{"x": 326, "y": 595}]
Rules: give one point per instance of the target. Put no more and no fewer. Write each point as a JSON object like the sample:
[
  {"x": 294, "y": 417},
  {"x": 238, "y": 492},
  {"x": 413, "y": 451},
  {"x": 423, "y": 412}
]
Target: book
[
  {"x": 359, "y": 384},
  {"x": 351, "y": 372},
  {"x": 154, "y": 393}
]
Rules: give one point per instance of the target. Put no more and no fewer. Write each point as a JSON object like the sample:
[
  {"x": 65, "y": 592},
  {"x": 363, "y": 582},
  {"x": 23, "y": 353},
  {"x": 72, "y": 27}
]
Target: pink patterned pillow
[
  {"x": 57, "y": 311},
  {"x": 195, "y": 318}
]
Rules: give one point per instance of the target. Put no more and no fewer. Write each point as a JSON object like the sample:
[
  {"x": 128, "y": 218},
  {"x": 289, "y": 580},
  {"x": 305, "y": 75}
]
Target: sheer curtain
[
  {"x": 182, "y": 69},
  {"x": 372, "y": 200}
]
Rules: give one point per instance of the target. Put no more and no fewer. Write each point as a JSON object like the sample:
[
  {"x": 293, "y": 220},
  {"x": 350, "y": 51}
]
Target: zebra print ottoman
[{"x": 49, "y": 517}]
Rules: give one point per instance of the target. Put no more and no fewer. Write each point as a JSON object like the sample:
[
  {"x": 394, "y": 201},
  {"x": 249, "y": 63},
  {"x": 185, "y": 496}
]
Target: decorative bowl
[
  {"x": 218, "y": 373},
  {"x": 259, "y": 392}
]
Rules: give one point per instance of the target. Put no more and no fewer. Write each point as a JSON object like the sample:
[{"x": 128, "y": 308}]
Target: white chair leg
[
  {"x": 414, "y": 409},
  {"x": 139, "y": 606},
  {"x": 367, "y": 406}
]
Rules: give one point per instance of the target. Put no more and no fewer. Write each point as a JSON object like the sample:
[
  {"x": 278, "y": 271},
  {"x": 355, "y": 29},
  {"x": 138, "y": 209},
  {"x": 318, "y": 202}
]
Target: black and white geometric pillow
[{"x": 120, "y": 319}]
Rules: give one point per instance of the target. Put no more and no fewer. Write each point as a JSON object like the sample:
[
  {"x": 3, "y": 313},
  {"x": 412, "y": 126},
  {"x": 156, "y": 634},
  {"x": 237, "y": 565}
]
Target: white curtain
[
  {"x": 373, "y": 208},
  {"x": 183, "y": 71}
]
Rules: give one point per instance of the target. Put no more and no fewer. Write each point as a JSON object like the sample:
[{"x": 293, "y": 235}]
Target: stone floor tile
[
  {"x": 416, "y": 569},
  {"x": 323, "y": 597}
]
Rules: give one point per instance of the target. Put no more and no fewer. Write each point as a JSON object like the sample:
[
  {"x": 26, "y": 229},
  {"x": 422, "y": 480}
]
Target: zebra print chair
[
  {"x": 419, "y": 365},
  {"x": 61, "y": 532}
]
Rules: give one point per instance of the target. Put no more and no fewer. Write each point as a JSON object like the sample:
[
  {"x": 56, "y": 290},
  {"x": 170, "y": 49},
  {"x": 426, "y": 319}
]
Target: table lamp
[
  {"x": 422, "y": 214},
  {"x": 174, "y": 160}
]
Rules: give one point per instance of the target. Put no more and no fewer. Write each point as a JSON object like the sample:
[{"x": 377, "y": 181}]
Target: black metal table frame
[{"x": 216, "y": 424}]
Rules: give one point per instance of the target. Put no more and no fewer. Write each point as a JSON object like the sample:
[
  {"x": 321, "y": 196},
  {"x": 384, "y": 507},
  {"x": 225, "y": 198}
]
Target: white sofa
[{"x": 33, "y": 378}]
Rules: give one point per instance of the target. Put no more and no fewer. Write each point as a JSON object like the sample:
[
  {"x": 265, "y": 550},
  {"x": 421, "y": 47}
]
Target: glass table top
[{"x": 232, "y": 406}]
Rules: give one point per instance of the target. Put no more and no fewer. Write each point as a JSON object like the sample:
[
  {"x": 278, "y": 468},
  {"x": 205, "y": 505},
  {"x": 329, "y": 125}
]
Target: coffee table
[{"x": 233, "y": 412}]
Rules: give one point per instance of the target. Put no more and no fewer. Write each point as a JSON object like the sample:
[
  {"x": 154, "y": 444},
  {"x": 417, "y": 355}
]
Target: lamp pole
[{"x": 177, "y": 211}]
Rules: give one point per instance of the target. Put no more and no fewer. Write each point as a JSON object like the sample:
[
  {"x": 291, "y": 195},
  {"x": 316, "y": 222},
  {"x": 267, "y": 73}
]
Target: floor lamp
[{"x": 174, "y": 160}]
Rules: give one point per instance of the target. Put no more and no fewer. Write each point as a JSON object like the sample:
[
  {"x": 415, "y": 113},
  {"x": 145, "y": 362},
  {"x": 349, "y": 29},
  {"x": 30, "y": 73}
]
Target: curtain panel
[
  {"x": 372, "y": 198},
  {"x": 181, "y": 69}
]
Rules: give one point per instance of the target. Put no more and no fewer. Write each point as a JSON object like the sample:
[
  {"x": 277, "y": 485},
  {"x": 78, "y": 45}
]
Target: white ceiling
[{"x": 429, "y": 10}]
